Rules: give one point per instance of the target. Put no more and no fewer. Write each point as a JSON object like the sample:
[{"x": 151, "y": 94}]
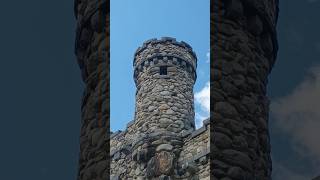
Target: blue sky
[{"x": 132, "y": 23}]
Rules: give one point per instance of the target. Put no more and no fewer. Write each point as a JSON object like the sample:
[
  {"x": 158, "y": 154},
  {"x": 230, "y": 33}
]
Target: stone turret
[
  {"x": 91, "y": 49},
  {"x": 162, "y": 142},
  {"x": 164, "y": 73},
  {"x": 244, "y": 50}
]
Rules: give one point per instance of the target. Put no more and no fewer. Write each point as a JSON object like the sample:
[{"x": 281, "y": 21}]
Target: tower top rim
[{"x": 164, "y": 40}]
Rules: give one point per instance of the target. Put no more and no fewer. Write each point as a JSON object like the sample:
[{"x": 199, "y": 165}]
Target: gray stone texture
[
  {"x": 161, "y": 142},
  {"x": 244, "y": 47},
  {"x": 92, "y": 49}
]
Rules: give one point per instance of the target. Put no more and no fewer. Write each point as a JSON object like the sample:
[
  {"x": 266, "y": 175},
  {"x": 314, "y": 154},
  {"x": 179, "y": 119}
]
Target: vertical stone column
[
  {"x": 244, "y": 49},
  {"x": 92, "y": 51},
  {"x": 164, "y": 73}
]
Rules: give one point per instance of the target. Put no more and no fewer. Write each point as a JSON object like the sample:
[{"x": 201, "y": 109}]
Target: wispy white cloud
[
  {"x": 208, "y": 57},
  {"x": 199, "y": 119},
  {"x": 202, "y": 98},
  {"x": 298, "y": 115}
]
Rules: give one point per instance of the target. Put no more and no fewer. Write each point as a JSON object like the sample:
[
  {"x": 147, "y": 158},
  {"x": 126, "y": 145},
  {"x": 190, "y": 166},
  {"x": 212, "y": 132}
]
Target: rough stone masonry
[
  {"x": 161, "y": 142},
  {"x": 92, "y": 51},
  {"x": 244, "y": 47}
]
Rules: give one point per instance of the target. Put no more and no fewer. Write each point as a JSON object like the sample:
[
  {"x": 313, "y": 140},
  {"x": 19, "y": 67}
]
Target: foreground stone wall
[
  {"x": 244, "y": 50},
  {"x": 92, "y": 51},
  {"x": 194, "y": 155},
  {"x": 193, "y": 161}
]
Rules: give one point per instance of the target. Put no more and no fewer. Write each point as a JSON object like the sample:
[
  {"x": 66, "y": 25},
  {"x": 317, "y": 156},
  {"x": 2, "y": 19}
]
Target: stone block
[
  {"x": 234, "y": 9},
  {"x": 255, "y": 25}
]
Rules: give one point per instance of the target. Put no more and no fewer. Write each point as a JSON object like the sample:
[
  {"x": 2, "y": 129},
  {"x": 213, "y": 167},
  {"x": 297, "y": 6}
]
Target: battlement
[
  {"x": 166, "y": 52},
  {"x": 150, "y": 48},
  {"x": 157, "y": 61}
]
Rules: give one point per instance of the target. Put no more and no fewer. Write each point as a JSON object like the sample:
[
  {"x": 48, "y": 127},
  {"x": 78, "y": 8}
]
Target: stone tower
[
  {"x": 164, "y": 73},
  {"x": 161, "y": 142},
  {"x": 244, "y": 49},
  {"x": 92, "y": 52}
]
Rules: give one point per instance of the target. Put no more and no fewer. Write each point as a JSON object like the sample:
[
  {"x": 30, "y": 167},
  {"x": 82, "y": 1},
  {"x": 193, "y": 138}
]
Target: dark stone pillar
[
  {"x": 92, "y": 51},
  {"x": 244, "y": 47}
]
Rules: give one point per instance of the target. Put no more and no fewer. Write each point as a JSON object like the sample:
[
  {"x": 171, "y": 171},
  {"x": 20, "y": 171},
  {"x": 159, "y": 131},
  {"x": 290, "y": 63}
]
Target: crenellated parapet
[
  {"x": 153, "y": 47},
  {"x": 157, "y": 61},
  {"x": 164, "y": 52}
]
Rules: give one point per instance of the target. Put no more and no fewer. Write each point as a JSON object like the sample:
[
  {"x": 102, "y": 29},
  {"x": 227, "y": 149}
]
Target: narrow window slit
[{"x": 163, "y": 70}]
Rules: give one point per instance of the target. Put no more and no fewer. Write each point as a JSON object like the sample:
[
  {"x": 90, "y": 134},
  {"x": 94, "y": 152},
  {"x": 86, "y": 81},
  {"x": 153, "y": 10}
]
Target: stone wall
[
  {"x": 244, "y": 47},
  {"x": 161, "y": 142},
  {"x": 193, "y": 161},
  {"x": 164, "y": 102},
  {"x": 92, "y": 51},
  {"x": 195, "y": 152}
]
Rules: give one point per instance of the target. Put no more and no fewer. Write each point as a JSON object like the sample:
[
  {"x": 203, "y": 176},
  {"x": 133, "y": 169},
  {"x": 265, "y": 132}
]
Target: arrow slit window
[{"x": 163, "y": 70}]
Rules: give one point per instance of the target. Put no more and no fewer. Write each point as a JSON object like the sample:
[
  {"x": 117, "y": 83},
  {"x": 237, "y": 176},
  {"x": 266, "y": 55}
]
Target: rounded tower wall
[
  {"x": 243, "y": 56},
  {"x": 164, "y": 73}
]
